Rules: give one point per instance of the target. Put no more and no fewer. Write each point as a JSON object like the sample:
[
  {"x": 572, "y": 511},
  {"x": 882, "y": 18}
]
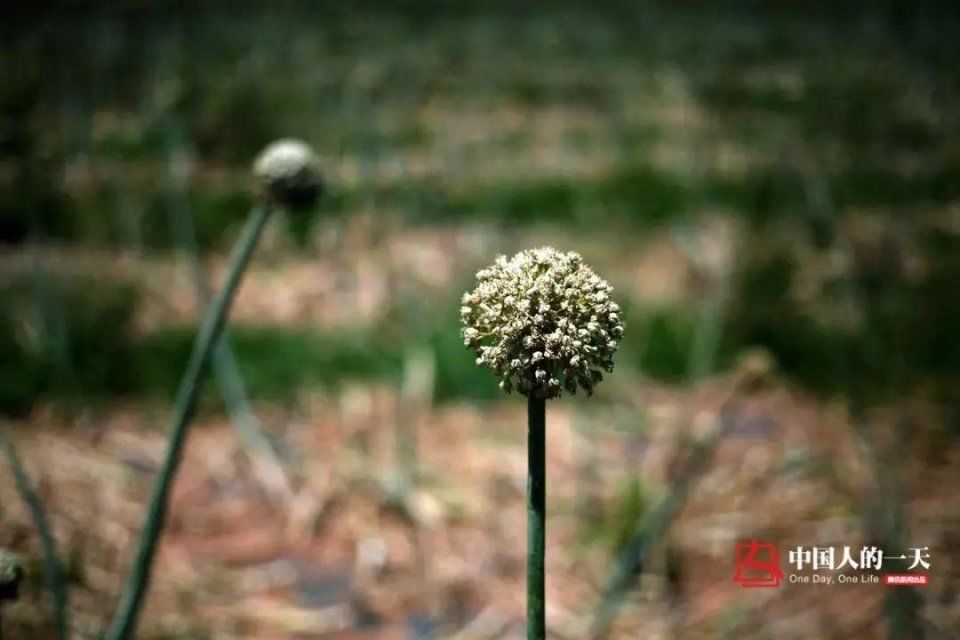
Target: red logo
[
  {"x": 758, "y": 565},
  {"x": 906, "y": 579}
]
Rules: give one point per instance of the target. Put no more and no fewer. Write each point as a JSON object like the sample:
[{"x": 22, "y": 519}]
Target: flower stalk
[
  {"x": 536, "y": 517},
  {"x": 186, "y": 403},
  {"x": 261, "y": 451},
  {"x": 52, "y": 569},
  {"x": 288, "y": 176},
  {"x": 545, "y": 323}
]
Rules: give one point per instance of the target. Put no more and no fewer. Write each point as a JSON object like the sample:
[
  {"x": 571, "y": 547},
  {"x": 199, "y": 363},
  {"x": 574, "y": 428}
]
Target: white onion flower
[{"x": 543, "y": 321}]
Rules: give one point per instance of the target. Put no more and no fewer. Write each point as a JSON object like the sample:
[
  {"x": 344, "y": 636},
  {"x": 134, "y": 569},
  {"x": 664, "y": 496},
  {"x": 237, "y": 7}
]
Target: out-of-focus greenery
[
  {"x": 86, "y": 121},
  {"x": 804, "y": 124},
  {"x": 64, "y": 337},
  {"x": 615, "y": 530},
  {"x": 99, "y": 354}
]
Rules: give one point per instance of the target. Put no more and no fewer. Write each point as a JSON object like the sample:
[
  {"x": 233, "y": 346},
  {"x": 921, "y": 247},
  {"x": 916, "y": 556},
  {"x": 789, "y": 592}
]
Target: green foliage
[
  {"x": 21, "y": 371},
  {"x": 457, "y": 376},
  {"x": 623, "y": 520},
  {"x": 632, "y": 193},
  {"x": 626, "y": 521},
  {"x": 64, "y": 337},
  {"x": 857, "y": 110},
  {"x": 275, "y": 363},
  {"x": 661, "y": 342},
  {"x": 785, "y": 81},
  {"x": 217, "y": 214},
  {"x": 765, "y": 313}
]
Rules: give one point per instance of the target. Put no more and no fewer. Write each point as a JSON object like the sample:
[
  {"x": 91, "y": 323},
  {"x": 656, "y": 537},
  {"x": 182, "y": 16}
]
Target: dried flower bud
[
  {"x": 288, "y": 172},
  {"x": 11, "y": 575},
  {"x": 536, "y": 353}
]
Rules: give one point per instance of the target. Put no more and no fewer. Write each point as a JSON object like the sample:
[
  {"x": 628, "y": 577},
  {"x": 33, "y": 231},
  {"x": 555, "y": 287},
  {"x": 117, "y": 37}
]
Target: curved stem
[
  {"x": 52, "y": 570},
  {"x": 261, "y": 450},
  {"x": 536, "y": 517},
  {"x": 137, "y": 584}
]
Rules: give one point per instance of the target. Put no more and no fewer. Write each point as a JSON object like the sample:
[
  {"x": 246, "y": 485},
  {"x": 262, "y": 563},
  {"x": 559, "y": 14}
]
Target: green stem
[
  {"x": 137, "y": 584},
  {"x": 225, "y": 368},
  {"x": 52, "y": 571},
  {"x": 536, "y": 517}
]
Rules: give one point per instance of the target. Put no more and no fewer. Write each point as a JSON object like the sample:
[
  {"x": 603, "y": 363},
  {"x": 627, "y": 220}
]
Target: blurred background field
[{"x": 773, "y": 189}]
